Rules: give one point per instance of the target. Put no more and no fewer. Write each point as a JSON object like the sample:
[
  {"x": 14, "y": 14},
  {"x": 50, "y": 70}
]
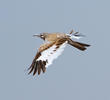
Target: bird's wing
[
  {"x": 46, "y": 54},
  {"x": 80, "y": 46}
]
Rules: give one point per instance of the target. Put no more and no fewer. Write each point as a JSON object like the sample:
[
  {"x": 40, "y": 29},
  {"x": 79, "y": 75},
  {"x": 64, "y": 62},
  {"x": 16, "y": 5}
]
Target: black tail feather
[{"x": 80, "y": 46}]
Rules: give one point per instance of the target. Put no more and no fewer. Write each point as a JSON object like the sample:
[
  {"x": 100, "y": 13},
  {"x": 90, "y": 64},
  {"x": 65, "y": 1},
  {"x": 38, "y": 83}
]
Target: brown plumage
[
  {"x": 55, "y": 40},
  {"x": 80, "y": 46}
]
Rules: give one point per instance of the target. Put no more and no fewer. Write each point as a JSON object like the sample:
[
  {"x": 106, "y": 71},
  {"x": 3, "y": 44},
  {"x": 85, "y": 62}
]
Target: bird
[{"x": 53, "y": 46}]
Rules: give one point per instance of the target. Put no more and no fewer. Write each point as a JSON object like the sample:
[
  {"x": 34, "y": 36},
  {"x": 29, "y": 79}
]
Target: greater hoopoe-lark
[{"x": 52, "y": 48}]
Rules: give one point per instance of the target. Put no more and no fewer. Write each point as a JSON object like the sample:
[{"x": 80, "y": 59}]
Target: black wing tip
[{"x": 37, "y": 67}]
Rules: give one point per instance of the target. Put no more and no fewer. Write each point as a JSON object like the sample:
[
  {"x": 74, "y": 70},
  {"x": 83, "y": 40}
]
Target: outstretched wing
[{"x": 46, "y": 54}]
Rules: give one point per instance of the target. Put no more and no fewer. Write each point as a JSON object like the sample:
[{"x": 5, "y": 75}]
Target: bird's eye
[{"x": 41, "y": 35}]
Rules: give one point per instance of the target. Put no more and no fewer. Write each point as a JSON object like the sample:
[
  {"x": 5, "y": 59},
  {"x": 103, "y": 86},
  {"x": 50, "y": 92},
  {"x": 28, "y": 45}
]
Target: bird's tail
[{"x": 80, "y": 46}]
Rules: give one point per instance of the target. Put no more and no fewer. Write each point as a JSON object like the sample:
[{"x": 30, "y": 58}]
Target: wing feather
[{"x": 46, "y": 54}]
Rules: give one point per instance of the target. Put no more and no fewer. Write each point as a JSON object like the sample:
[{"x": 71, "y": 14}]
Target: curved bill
[{"x": 36, "y": 35}]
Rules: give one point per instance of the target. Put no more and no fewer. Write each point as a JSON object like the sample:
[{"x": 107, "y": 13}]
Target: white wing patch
[
  {"x": 73, "y": 36},
  {"x": 51, "y": 53}
]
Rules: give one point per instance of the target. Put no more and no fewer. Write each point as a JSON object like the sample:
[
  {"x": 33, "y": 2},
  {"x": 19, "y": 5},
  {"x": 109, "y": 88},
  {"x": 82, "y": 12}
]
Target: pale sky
[{"x": 75, "y": 75}]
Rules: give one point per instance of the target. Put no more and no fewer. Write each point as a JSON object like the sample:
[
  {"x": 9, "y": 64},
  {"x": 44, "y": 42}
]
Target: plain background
[{"x": 75, "y": 75}]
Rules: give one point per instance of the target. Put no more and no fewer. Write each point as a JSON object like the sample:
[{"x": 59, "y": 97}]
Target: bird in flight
[{"x": 53, "y": 47}]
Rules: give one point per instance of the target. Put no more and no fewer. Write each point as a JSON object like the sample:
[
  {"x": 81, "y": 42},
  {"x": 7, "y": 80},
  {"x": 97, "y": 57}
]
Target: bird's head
[{"x": 41, "y": 35}]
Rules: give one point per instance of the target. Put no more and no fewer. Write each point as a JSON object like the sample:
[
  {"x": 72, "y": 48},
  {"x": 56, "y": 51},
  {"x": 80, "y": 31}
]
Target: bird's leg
[
  {"x": 72, "y": 31},
  {"x": 78, "y": 34}
]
